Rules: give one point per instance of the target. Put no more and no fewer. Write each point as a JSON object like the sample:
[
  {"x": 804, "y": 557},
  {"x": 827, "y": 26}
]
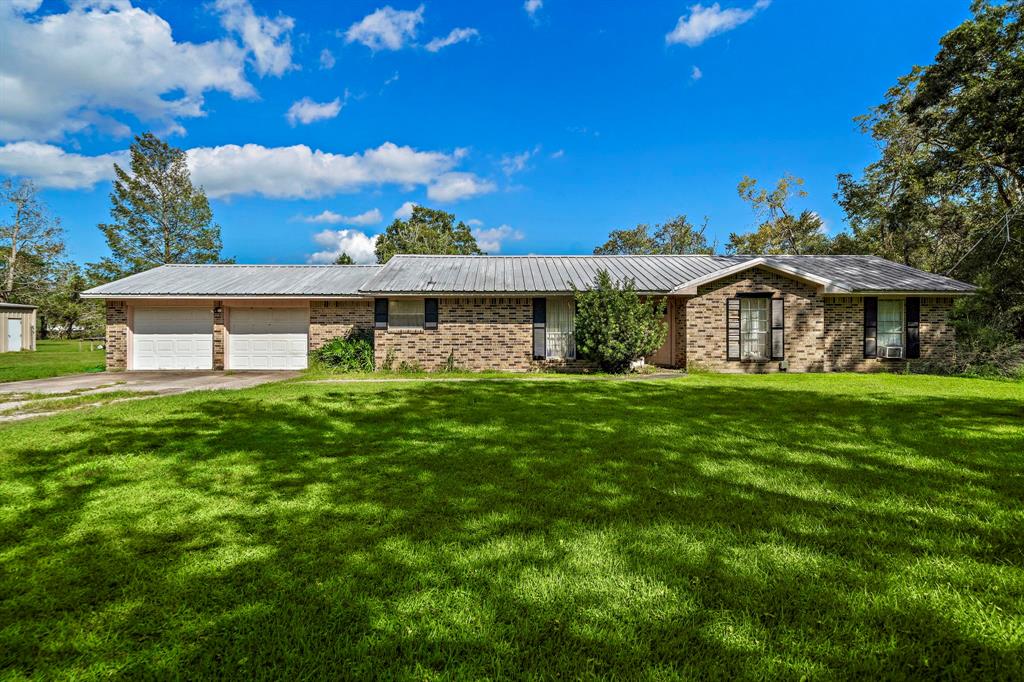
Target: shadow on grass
[{"x": 520, "y": 529}]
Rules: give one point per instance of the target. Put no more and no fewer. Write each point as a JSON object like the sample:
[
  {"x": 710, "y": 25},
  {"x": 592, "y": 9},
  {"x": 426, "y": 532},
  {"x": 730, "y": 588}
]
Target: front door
[
  {"x": 14, "y": 333},
  {"x": 663, "y": 356}
]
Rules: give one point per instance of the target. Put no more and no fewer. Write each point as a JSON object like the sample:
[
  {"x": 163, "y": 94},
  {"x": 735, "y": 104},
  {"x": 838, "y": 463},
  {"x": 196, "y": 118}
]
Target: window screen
[
  {"x": 890, "y": 323},
  {"x": 561, "y": 328},
  {"x": 755, "y": 338},
  {"x": 405, "y": 313}
]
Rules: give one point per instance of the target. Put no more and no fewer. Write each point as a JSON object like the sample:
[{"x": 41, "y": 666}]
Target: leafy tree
[
  {"x": 427, "y": 230},
  {"x": 30, "y": 242},
  {"x": 614, "y": 326},
  {"x": 158, "y": 215},
  {"x": 676, "y": 236},
  {"x": 344, "y": 259},
  {"x": 62, "y": 310},
  {"x": 780, "y": 231},
  {"x": 946, "y": 194}
]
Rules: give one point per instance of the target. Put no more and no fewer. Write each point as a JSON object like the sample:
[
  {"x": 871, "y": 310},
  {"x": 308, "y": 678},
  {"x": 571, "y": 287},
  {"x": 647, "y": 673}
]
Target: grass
[
  {"x": 42, "y": 403},
  {"x": 709, "y": 526},
  {"x": 51, "y": 358}
]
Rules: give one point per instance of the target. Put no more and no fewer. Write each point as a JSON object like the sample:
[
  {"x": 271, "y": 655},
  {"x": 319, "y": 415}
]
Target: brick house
[{"x": 724, "y": 313}]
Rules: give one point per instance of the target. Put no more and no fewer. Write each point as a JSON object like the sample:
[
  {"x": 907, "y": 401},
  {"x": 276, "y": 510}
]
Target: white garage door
[
  {"x": 268, "y": 338},
  {"x": 172, "y": 338}
]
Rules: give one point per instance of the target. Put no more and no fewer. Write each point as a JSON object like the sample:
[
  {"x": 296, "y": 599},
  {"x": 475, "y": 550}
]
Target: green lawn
[
  {"x": 50, "y": 359},
  {"x": 713, "y": 526}
]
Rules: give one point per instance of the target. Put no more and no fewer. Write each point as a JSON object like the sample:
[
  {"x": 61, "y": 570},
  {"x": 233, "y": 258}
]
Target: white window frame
[
  {"x": 891, "y": 329},
  {"x": 560, "y": 341},
  {"x": 748, "y": 337},
  {"x": 412, "y": 317}
]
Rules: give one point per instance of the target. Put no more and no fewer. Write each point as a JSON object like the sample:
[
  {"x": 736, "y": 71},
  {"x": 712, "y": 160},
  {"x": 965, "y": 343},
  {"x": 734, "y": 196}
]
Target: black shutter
[
  {"x": 380, "y": 313},
  {"x": 870, "y": 326},
  {"x": 913, "y": 326},
  {"x": 540, "y": 318},
  {"x": 732, "y": 329},
  {"x": 430, "y": 313},
  {"x": 778, "y": 329}
]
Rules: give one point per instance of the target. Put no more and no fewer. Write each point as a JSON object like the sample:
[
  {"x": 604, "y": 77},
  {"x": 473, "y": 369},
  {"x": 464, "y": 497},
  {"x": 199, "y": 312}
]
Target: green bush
[
  {"x": 614, "y": 326},
  {"x": 352, "y": 353}
]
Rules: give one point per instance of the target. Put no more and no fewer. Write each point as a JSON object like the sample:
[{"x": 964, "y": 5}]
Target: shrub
[
  {"x": 614, "y": 326},
  {"x": 352, "y": 353}
]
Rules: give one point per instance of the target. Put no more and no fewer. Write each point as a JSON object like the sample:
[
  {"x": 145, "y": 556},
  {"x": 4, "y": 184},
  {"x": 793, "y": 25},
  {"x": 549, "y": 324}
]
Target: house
[
  {"x": 17, "y": 327},
  {"x": 725, "y": 313}
]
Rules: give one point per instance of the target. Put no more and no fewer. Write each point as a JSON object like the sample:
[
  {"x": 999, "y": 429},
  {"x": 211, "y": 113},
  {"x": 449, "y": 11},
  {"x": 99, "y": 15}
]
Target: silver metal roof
[
  {"x": 412, "y": 275},
  {"x": 17, "y": 306},
  {"x": 240, "y": 280},
  {"x": 405, "y": 274}
]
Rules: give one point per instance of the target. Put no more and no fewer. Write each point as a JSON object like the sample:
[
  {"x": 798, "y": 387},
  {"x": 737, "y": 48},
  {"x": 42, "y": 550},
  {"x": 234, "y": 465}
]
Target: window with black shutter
[
  {"x": 778, "y": 329},
  {"x": 870, "y": 326},
  {"x": 380, "y": 313},
  {"x": 913, "y": 326},
  {"x": 732, "y": 329},
  {"x": 430, "y": 313},
  {"x": 540, "y": 316}
]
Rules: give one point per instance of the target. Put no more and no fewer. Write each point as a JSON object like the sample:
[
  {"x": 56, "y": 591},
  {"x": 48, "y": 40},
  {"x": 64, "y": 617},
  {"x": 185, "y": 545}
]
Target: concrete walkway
[{"x": 523, "y": 377}]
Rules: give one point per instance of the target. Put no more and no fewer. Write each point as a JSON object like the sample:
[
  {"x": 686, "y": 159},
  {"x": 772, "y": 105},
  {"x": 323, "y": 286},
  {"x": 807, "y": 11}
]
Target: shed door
[
  {"x": 268, "y": 338},
  {"x": 14, "y": 333},
  {"x": 172, "y": 338}
]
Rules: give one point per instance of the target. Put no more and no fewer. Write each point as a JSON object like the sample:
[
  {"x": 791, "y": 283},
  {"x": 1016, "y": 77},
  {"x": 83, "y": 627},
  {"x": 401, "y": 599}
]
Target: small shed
[{"x": 17, "y": 327}]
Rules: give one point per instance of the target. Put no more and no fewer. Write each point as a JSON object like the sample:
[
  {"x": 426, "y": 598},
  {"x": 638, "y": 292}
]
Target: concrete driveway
[{"x": 14, "y": 394}]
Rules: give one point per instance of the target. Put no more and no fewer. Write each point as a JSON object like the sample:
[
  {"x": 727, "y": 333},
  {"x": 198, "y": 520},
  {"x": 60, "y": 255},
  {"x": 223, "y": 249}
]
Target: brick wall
[
  {"x": 117, "y": 335},
  {"x": 705, "y": 323},
  {"x": 219, "y": 336},
  {"x": 844, "y": 335},
  {"x": 331, "y": 319}
]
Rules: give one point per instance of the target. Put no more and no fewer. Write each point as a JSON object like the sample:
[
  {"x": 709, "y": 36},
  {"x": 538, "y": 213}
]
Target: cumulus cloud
[
  {"x": 696, "y": 74},
  {"x": 327, "y": 60},
  {"x": 371, "y": 217},
  {"x": 491, "y": 239},
  {"x": 268, "y": 40},
  {"x": 307, "y": 111},
  {"x": 457, "y": 35},
  {"x": 704, "y": 22},
  {"x": 64, "y": 72},
  {"x": 404, "y": 211},
  {"x": 532, "y": 7},
  {"x": 386, "y": 28},
  {"x": 455, "y": 186},
  {"x": 356, "y": 244},
  {"x": 51, "y": 166}
]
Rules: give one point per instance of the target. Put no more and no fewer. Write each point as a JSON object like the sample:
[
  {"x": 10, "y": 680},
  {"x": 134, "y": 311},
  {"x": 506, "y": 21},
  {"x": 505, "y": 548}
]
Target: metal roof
[
  {"x": 406, "y": 274},
  {"x": 239, "y": 280},
  {"x": 17, "y": 306},
  {"x": 412, "y": 275}
]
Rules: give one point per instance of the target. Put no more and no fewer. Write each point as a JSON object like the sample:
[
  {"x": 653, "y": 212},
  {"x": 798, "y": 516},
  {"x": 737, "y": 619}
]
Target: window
[
  {"x": 755, "y": 337},
  {"x": 890, "y": 328},
  {"x": 561, "y": 328},
  {"x": 405, "y": 313}
]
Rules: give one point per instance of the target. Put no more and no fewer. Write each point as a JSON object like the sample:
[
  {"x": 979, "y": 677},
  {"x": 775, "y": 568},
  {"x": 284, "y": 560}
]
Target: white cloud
[
  {"x": 704, "y": 22},
  {"x": 696, "y": 74},
  {"x": 356, "y": 244},
  {"x": 307, "y": 111},
  {"x": 64, "y": 72},
  {"x": 51, "y": 166},
  {"x": 371, "y": 217},
  {"x": 532, "y": 7},
  {"x": 490, "y": 240},
  {"x": 558, "y": 154},
  {"x": 404, "y": 211},
  {"x": 327, "y": 60},
  {"x": 267, "y": 40},
  {"x": 474, "y": 222},
  {"x": 517, "y": 163},
  {"x": 456, "y": 186},
  {"x": 386, "y": 28},
  {"x": 457, "y": 35},
  {"x": 393, "y": 79}
]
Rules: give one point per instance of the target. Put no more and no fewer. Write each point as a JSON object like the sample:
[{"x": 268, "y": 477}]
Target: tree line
[{"x": 944, "y": 196}]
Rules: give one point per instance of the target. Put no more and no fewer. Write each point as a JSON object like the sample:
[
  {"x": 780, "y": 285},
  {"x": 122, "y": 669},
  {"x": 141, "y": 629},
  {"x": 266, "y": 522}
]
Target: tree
[
  {"x": 427, "y": 230},
  {"x": 947, "y": 193},
  {"x": 30, "y": 242},
  {"x": 614, "y": 326},
  {"x": 61, "y": 307},
  {"x": 780, "y": 231},
  {"x": 344, "y": 259},
  {"x": 158, "y": 215},
  {"x": 676, "y": 236}
]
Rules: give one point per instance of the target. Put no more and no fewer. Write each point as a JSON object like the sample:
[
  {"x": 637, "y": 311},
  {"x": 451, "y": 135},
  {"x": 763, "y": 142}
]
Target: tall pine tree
[{"x": 158, "y": 215}]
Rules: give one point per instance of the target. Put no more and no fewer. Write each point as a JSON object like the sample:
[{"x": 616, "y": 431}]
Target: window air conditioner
[{"x": 890, "y": 352}]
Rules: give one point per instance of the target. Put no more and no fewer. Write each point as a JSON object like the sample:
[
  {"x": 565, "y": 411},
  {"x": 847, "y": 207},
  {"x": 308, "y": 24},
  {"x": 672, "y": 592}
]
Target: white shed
[{"x": 17, "y": 327}]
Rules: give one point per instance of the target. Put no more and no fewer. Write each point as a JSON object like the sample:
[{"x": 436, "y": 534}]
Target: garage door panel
[
  {"x": 268, "y": 338},
  {"x": 172, "y": 338}
]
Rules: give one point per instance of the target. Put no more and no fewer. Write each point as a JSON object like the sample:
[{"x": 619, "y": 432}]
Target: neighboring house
[
  {"x": 17, "y": 327},
  {"x": 725, "y": 313}
]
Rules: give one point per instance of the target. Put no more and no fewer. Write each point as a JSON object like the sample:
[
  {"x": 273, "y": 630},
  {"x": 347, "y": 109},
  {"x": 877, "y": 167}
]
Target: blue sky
[{"x": 547, "y": 124}]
